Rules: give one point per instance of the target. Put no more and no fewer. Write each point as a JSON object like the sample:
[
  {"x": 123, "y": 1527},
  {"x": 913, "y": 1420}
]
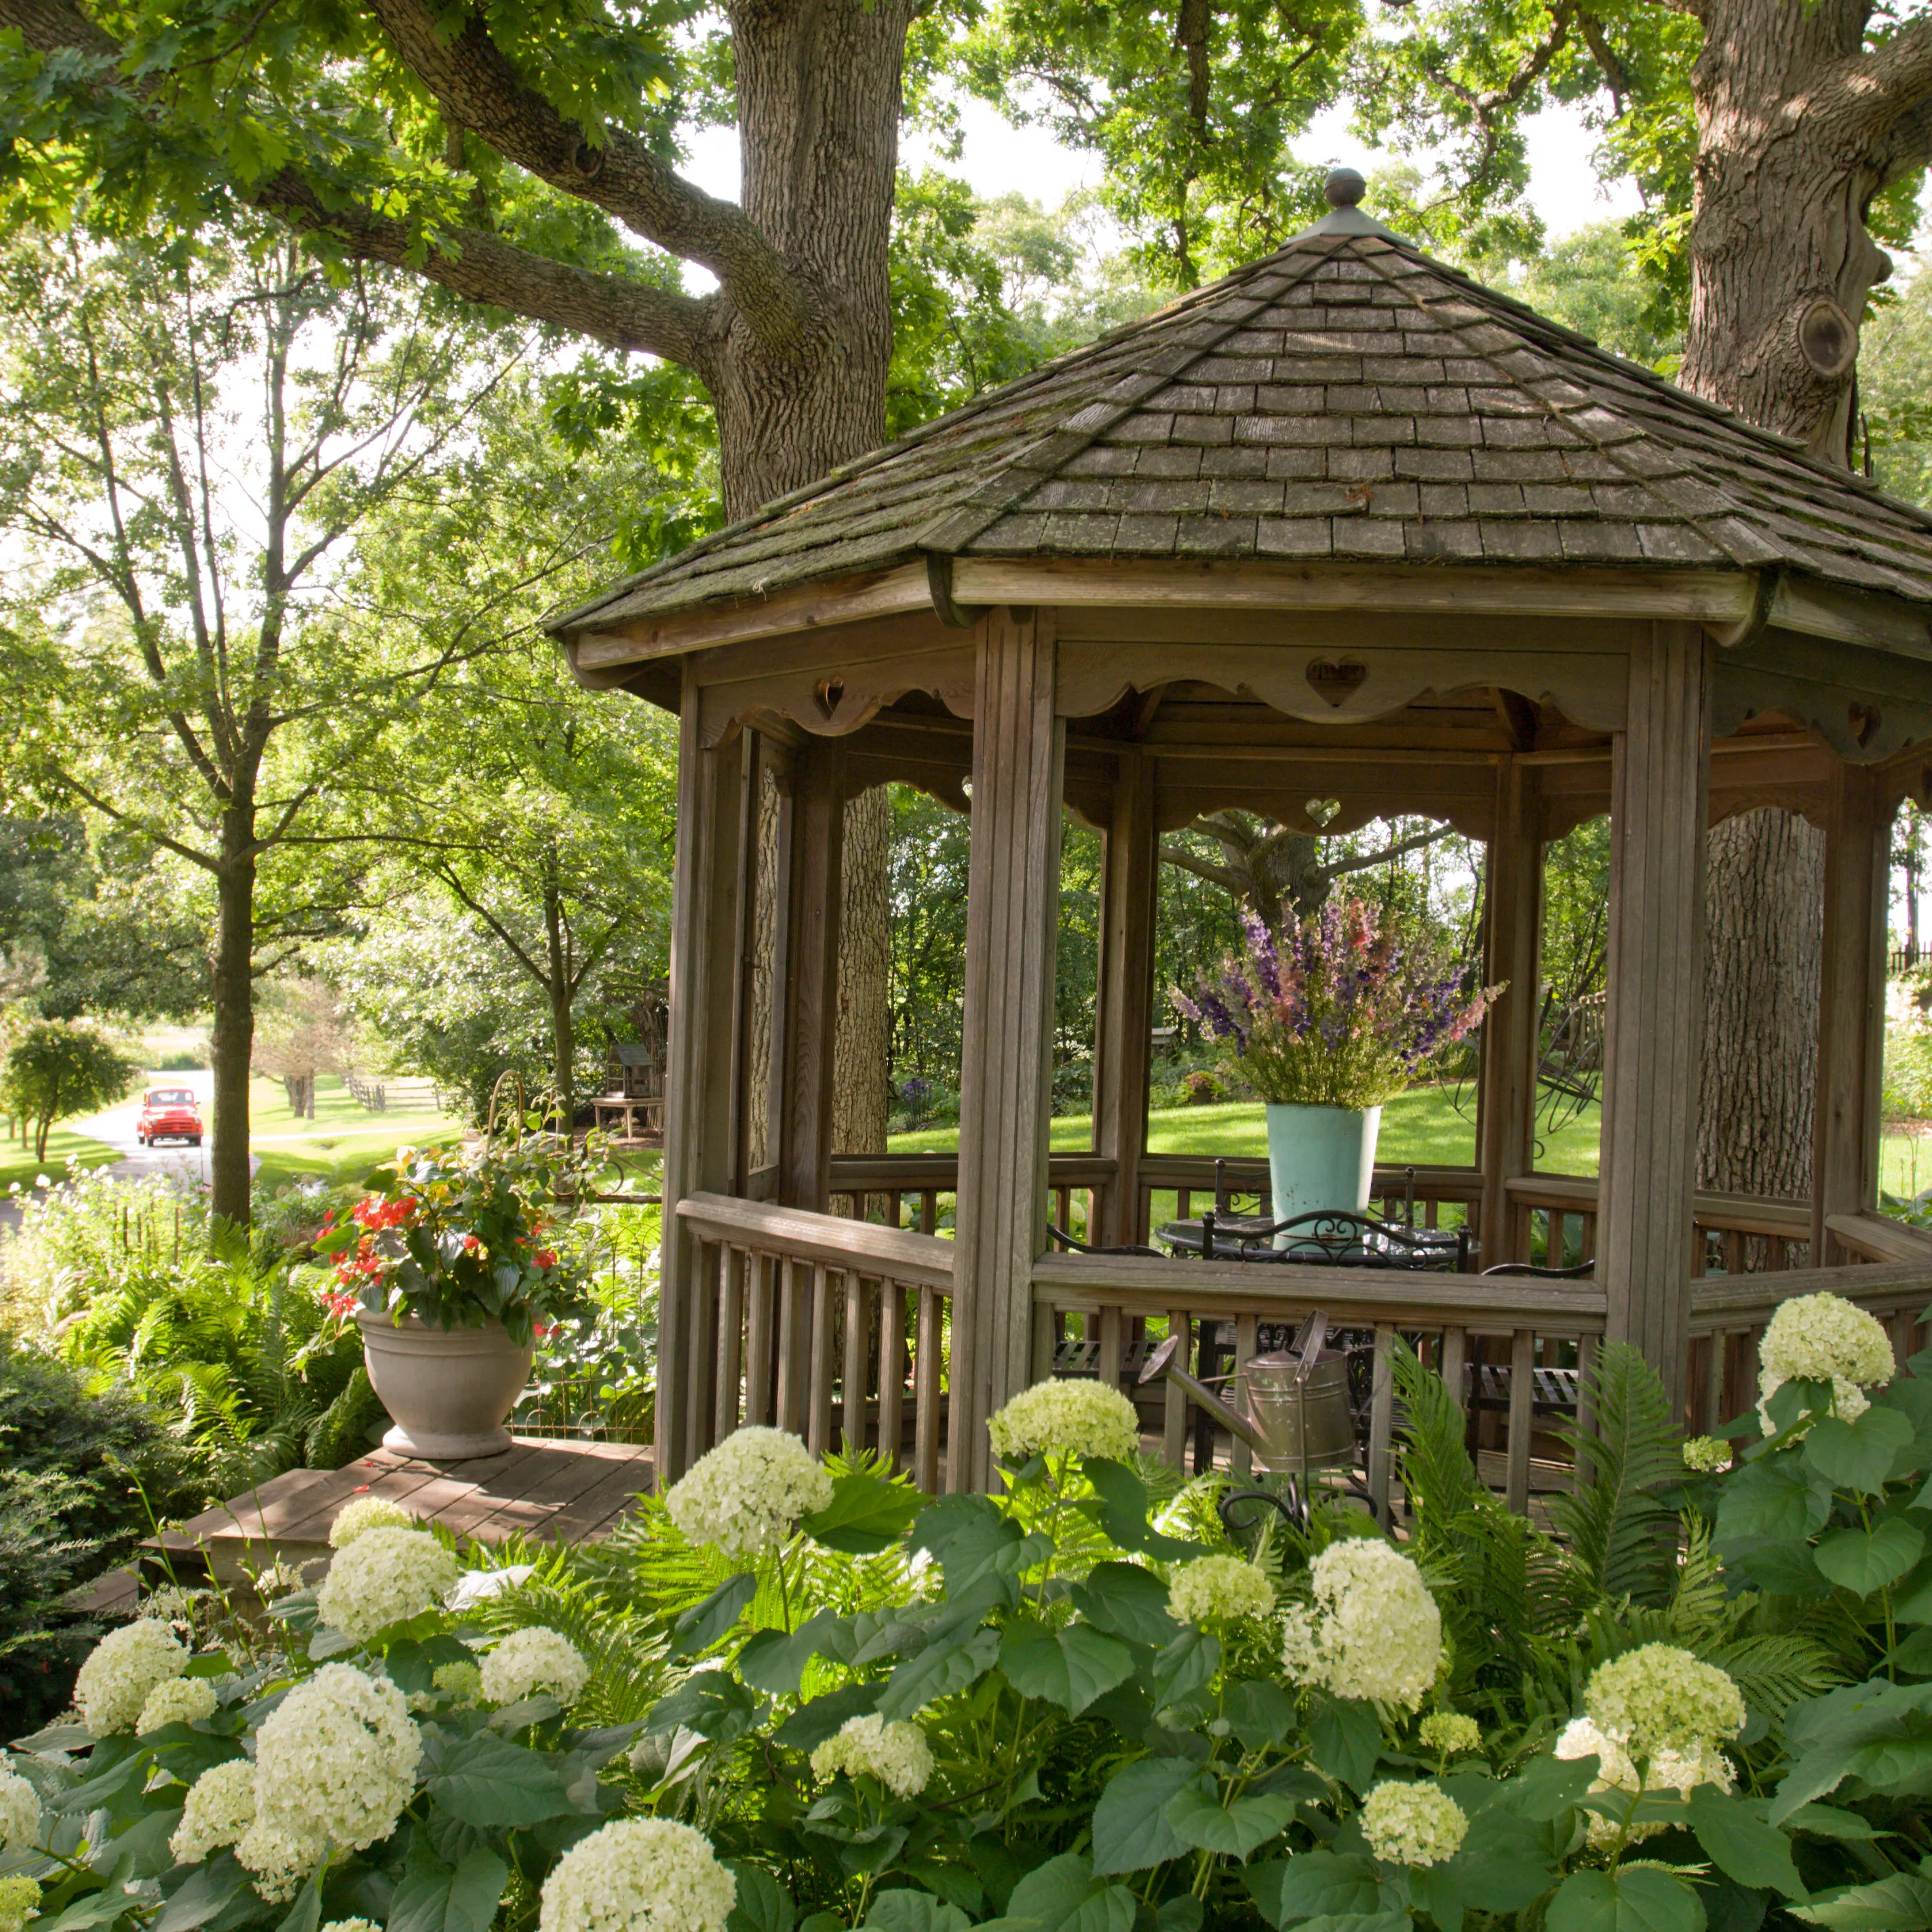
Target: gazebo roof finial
[{"x": 1345, "y": 187}]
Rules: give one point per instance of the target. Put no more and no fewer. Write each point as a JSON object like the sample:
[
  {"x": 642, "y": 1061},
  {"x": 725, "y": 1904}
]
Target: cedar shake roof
[{"x": 1346, "y": 398}]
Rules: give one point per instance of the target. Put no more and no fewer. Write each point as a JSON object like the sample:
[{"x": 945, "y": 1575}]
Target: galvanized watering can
[{"x": 1292, "y": 1409}]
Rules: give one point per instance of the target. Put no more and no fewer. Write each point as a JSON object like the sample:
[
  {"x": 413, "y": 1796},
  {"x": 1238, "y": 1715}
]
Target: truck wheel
[{"x": 194, "y": 1140}]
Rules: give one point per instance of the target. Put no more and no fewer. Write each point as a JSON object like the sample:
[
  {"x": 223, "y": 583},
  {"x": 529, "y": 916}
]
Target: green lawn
[
  {"x": 1421, "y": 1125},
  {"x": 17, "y": 1163},
  {"x": 342, "y": 1143}
]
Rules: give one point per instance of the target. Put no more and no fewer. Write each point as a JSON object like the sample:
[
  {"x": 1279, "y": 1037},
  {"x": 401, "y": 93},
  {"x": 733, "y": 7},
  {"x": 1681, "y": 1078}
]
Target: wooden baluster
[
  {"x": 1587, "y": 1240},
  {"x": 929, "y": 1211},
  {"x": 1174, "y": 1415},
  {"x": 731, "y": 1341},
  {"x": 1381, "y": 1424},
  {"x": 1455, "y": 1356},
  {"x": 1522, "y": 1395},
  {"x": 1734, "y": 1251},
  {"x": 852, "y": 1366},
  {"x": 925, "y": 1367},
  {"x": 794, "y": 1362},
  {"x": 1183, "y": 1203},
  {"x": 892, "y": 1371},
  {"x": 1107, "y": 1363},
  {"x": 1432, "y": 1212},
  {"x": 824, "y": 1363},
  {"x": 760, "y": 1328},
  {"x": 1748, "y": 1373},
  {"x": 1901, "y": 1326},
  {"x": 1047, "y": 1324},
  {"x": 1240, "y": 1457},
  {"x": 1714, "y": 1382}
]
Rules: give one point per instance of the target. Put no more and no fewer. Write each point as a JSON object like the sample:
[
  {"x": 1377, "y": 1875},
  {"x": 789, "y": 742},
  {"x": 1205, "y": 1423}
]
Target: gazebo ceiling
[{"x": 1346, "y": 401}]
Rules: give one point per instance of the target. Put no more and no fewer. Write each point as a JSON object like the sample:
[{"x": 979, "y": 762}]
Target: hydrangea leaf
[
  {"x": 1131, "y": 1832},
  {"x": 713, "y": 1703},
  {"x": 1827, "y": 1821},
  {"x": 436, "y": 1897},
  {"x": 1859, "y": 1455},
  {"x": 1900, "y": 1903},
  {"x": 1345, "y": 1739},
  {"x": 762, "y": 1904},
  {"x": 1187, "y": 1665},
  {"x": 703, "y": 1623},
  {"x": 1776, "y": 1498},
  {"x": 305, "y": 1915},
  {"x": 1128, "y": 1601},
  {"x": 1316, "y": 1885},
  {"x": 1740, "y": 1844},
  {"x": 1183, "y": 1913},
  {"x": 488, "y": 1781},
  {"x": 1234, "y": 1830},
  {"x": 904, "y": 1910},
  {"x": 1069, "y": 1667},
  {"x": 774, "y": 1661},
  {"x": 1063, "y": 1895},
  {"x": 1502, "y": 1863},
  {"x": 1633, "y": 1899},
  {"x": 866, "y": 1514},
  {"x": 210, "y": 1889},
  {"x": 1120, "y": 1504},
  {"x": 937, "y": 1671},
  {"x": 1864, "y": 1561},
  {"x": 1785, "y": 1569},
  {"x": 810, "y": 1724},
  {"x": 1259, "y": 1713}
]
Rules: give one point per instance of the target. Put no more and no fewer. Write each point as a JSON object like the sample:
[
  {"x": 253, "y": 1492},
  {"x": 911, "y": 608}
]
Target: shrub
[{"x": 56, "y": 1068}]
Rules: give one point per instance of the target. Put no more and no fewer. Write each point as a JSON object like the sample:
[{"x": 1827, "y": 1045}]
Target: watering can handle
[{"x": 1308, "y": 1343}]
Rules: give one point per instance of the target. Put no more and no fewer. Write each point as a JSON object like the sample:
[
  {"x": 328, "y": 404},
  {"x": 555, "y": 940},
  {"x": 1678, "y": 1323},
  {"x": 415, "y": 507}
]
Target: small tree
[
  {"x": 59, "y": 1068},
  {"x": 302, "y": 1031}
]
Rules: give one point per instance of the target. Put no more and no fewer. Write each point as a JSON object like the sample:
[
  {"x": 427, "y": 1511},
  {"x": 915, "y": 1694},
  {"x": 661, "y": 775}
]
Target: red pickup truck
[{"x": 169, "y": 1114}]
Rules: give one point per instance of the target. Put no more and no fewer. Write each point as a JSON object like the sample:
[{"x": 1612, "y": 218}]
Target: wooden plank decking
[{"x": 566, "y": 1491}]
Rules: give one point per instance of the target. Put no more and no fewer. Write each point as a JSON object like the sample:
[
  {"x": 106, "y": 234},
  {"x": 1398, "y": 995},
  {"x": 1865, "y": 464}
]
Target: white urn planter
[{"x": 449, "y": 1391}]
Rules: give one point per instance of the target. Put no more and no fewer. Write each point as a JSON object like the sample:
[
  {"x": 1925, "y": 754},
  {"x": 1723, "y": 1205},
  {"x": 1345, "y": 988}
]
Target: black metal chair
[
  {"x": 1066, "y": 1241},
  {"x": 1335, "y": 1237}
]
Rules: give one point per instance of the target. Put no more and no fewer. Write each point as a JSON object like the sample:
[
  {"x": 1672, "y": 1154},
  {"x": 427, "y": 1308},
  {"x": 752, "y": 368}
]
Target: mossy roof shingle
[{"x": 1345, "y": 398}]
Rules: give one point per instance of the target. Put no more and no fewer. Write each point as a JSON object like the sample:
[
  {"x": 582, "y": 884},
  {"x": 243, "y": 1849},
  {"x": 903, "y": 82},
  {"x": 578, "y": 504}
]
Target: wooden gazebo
[{"x": 1345, "y": 527}]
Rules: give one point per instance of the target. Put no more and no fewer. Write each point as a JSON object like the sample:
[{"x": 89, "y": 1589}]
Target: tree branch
[
  {"x": 475, "y": 86},
  {"x": 1414, "y": 842},
  {"x": 1881, "y": 94},
  {"x": 614, "y": 309},
  {"x": 1224, "y": 876}
]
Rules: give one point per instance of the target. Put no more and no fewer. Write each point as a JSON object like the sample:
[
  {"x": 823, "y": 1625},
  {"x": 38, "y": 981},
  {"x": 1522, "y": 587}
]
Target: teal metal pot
[{"x": 1321, "y": 1157}]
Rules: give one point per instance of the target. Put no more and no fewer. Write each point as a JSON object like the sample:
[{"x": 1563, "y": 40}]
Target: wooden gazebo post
[
  {"x": 1125, "y": 1000},
  {"x": 1006, "y": 1087},
  {"x": 1506, "y": 1092},
  {"x": 1653, "y": 1020}
]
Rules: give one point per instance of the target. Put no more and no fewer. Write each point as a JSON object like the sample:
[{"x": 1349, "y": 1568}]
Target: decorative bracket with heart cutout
[{"x": 1337, "y": 681}]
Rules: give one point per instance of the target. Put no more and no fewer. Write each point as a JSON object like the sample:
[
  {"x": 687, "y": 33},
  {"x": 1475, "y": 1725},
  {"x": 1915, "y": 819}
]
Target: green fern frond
[
  {"x": 1774, "y": 1672},
  {"x": 1620, "y": 1532}
]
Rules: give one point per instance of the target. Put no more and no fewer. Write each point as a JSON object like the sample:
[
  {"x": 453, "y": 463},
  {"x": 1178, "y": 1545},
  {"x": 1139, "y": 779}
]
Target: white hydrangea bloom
[
  {"x": 527, "y": 1661},
  {"x": 638, "y": 1875},
  {"x": 897, "y": 1755},
  {"x": 220, "y": 1807},
  {"x": 20, "y": 1813},
  {"x": 1413, "y": 1824},
  {"x": 1661, "y": 1698},
  {"x": 335, "y": 1764},
  {"x": 365, "y": 1513},
  {"x": 1375, "y": 1632},
  {"x": 1823, "y": 1338},
  {"x": 1069, "y": 1418},
  {"x": 19, "y": 1899},
  {"x": 180, "y": 1700},
  {"x": 282, "y": 1580},
  {"x": 1449, "y": 1733},
  {"x": 746, "y": 1494},
  {"x": 351, "y": 1925},
  {"x": 1706, "y": 1455},
  {"x": 1680, "y": 1771},
  {"x": 462, "y": 1683},
  {"x": 125, "y": 1666},
  {"x": 384, "y": 1577},
  {"x": 1220, "y": 1589}
]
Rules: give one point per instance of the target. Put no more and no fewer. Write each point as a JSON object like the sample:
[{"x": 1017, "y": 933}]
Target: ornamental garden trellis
[{"x": 1343, "y": 527}]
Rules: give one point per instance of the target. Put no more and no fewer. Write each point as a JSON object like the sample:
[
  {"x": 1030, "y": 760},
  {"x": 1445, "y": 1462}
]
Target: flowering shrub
[
  {"x": 1822, "y": 1338},
  {"x": 384, "y": 1576},
  {"x": 115, "y": 1682},
  {"x": 364, "y": 1513},
  {"x": 1342, "y": 1010},
  {"x": 461, "y": 1236},
  {"x": 1074, "y": 1706},
  {"x": 1070, "y": 1418}
]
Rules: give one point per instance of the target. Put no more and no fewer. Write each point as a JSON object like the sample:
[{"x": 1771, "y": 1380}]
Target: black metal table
[{"x": 1330, "y": 1238}]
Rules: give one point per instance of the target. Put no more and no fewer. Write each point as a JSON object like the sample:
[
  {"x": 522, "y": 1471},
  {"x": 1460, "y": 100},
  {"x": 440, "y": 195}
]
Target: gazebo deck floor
[{"x": 562, "y": 1491}]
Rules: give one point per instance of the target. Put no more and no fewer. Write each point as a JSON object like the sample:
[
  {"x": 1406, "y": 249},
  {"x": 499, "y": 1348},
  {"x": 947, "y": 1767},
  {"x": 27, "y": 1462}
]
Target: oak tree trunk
[
  {"x": 1764, "y": 889},
  {"x": 861, "y": 1098},
  {"x": 232, "y": 971},
  {"x": 818, "y": 117},
  {"x": 1782, "y": 267}
]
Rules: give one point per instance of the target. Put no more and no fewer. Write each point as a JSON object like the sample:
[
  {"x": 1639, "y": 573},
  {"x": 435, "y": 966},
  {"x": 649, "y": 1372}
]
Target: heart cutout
[
  {"x": 827, "y": 694},
  {"x": 1337, "y": 682},
  {"x": 1322, "y": 812},
  {"x": 1865, "y": 721}
]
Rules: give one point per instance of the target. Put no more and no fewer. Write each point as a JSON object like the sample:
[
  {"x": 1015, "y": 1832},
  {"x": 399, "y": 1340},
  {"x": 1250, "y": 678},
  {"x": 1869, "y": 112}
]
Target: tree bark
[
  {"x": 861, "y": 1097},
  {"x": 233, "y": 1043},
  {"x": 1799, "y": 127},
  {"x": 1763, "y": 933},
  {"x": 1781, "y": 263}
]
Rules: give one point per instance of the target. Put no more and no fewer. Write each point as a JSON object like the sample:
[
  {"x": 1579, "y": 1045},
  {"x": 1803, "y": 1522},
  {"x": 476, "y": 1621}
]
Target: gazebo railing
[{"x": 817, "y": 1323}]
